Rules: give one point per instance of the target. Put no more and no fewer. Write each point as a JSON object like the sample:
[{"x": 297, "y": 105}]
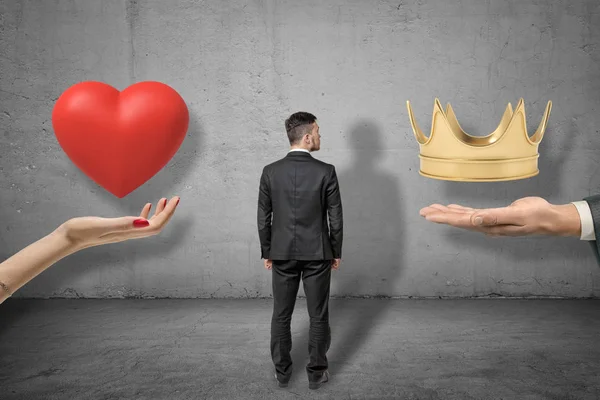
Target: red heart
[{"x": 120, "y": 139}]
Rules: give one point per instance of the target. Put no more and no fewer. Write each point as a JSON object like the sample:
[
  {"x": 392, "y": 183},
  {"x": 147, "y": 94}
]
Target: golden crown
[{"x": 506, "y": 154}]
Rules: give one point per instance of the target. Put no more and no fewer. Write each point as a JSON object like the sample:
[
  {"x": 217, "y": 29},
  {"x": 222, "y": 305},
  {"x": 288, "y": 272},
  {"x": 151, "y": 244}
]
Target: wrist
[
  {"x": 565, "y": 220},
  {"x": 65, "y": 240}
]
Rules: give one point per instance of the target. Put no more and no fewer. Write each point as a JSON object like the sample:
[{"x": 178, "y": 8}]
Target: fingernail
[
  {"x": 140, "y": 223},
  {"x": 165, "y": 203},
  {"x": 178, "y": 201},
  {"x": 478, "y": 220}
]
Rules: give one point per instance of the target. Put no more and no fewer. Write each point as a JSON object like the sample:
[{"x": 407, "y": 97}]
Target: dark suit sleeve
[
  {"x": 264, "y": 215},
  {"x": 334, "y": 210},
  {"x": 594, "y": 203}
]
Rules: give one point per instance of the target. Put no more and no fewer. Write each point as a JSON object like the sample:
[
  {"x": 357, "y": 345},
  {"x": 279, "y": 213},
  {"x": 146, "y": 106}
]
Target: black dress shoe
[
  {"x": 281, "y": 384},
  {"x": 317, "y": 384}
]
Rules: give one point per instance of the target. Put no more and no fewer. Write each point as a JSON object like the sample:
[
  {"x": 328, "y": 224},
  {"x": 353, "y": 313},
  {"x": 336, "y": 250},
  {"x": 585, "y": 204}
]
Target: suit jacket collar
[{"x": 298, "y": 153}]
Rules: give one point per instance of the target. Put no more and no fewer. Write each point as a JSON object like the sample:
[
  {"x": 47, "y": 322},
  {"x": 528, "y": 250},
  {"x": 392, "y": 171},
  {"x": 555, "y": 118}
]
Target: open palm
[
  {"x": 526, "y": 216},
  {"x": 86, "y": 232}
]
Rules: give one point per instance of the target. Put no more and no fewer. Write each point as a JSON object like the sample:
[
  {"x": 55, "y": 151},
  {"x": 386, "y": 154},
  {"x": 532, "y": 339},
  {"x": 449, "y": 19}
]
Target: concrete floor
[{"x": 219, "y": 349}]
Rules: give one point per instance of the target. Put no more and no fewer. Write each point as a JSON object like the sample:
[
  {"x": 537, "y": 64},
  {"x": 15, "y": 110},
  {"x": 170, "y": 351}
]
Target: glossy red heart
[{"x": 120, "y": 139}]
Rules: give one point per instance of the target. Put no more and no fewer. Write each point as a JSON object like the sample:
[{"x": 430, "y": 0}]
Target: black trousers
[{"x": 316, "y": 276}]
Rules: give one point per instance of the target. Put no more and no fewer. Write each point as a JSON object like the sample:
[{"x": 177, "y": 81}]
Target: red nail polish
[
  {"x": 140, "y": 223},
  {"x": 165, "y": 203},
  {"x": 178, "y": 201}
]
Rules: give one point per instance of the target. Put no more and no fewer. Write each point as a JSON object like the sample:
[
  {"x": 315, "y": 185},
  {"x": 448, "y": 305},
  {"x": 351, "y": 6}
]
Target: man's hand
[
  {"x": 335, "y": 264},
  {"x": 268, "y": 264},
  {"x": 526, "y": 216}
]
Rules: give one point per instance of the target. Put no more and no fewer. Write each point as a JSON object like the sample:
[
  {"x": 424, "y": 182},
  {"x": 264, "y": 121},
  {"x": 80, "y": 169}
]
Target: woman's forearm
[{"x": 33, "y": 260}]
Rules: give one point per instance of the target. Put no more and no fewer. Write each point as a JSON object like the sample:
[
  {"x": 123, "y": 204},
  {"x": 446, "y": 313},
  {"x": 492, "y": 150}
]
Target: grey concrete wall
[{"x": 243, "y": 67}]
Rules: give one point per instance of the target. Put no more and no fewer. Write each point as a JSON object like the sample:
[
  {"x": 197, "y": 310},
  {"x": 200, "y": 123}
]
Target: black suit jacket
[
  {"x": 296, "y": 195},
  {"x": 594, "y": 203}
]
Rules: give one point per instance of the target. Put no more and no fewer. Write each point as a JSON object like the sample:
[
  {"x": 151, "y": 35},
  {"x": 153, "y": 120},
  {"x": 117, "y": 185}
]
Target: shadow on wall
[
  {"x": 373, "y": 227},
  {"x": 126, "y": 254},
  {"x": 373, "y": 245}
]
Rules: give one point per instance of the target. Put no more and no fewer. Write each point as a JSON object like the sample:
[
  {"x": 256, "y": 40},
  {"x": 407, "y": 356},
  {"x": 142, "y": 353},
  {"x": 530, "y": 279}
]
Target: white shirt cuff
[{"x": 587, "y": 222}]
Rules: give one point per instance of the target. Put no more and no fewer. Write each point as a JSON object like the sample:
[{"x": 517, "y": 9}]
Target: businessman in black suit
[
  {"x": 297, "y": 194},
  {"x": 526, "y": 216}
]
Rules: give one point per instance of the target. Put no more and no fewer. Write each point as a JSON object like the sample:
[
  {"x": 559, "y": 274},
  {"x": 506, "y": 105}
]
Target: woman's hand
[
  {"x": 77, "y": 234},
  {"x": 84, "y": 232}
]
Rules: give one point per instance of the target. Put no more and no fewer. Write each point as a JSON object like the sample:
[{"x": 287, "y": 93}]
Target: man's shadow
[
  {"x": 547, "y": 184},
  {"x": 102, "y": 260},
  {"x": 373, "y": 248}
]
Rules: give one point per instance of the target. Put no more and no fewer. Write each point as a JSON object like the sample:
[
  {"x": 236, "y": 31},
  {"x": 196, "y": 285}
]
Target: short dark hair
[{"x": 298, "y": 125}]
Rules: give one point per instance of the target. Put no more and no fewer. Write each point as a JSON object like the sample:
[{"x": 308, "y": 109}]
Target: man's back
[
  {"x": 296, "y": 196},
  {"x": 301, "y": 192}
]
